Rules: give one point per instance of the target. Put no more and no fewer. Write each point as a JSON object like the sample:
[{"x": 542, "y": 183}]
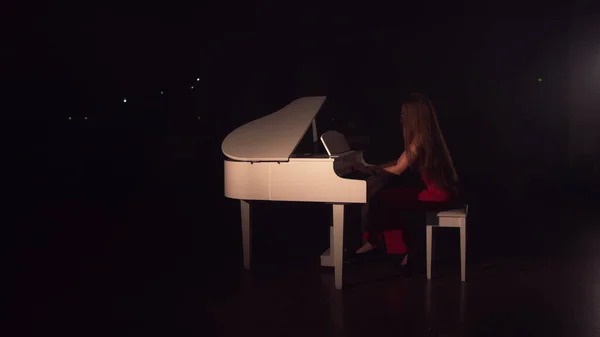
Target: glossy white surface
[
  {"x": 300, "y": 179},
  {"x": 273, "y": 137},
  {"x": 262, "y": 169}
]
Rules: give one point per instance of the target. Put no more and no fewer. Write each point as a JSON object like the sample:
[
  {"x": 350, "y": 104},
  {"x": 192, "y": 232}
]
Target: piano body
[{"x": 261, "y": 165}]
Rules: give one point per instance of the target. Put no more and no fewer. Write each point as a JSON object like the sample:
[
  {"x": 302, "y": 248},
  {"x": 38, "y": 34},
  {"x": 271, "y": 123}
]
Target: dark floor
[
  {"x": 545, "y": 288},
  {"x": 106, "y": 251},
  {"x": 151, "y": 267}
]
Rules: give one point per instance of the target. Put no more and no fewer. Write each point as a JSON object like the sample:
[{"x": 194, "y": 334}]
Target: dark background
[{"x": 134, "y": 191}]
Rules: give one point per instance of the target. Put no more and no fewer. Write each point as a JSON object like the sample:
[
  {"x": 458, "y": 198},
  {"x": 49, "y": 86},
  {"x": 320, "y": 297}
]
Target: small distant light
[
  {"x": 540, "y": 79},
  {"x": 192, "y": 87},
  {"x": 198, "y": 117},
  {"x": 70, "y": 118},
  {"x": 162, "y": 92},
  {"x": 198, "y": 79},
  {"x": 85, "y": 118},
  {"x": 125, "y": 100}
]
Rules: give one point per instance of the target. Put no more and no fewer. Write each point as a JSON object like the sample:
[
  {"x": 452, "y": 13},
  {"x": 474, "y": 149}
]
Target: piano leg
[
  {"x": 246, "y": 232},
  {"x": 338, "y": 244}
]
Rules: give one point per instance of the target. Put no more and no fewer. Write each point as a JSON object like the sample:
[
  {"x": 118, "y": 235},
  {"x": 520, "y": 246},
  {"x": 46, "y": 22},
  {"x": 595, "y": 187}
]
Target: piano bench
[{"x": 456, "y": 218}]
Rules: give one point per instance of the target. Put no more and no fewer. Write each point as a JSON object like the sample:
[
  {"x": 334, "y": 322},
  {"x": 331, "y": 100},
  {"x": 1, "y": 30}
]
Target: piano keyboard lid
[{"x": 273, "y": 137}]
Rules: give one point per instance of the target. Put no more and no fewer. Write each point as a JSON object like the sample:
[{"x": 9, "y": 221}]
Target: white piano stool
[{"x": 456, "y": 218}]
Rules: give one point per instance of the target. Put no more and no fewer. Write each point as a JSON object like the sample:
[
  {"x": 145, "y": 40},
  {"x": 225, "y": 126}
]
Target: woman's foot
[
  {"x": 406, "y": 268},
  {"x": 404, "y": 261},
  {"x": 367, "y": 247},
  {"x": 367, "y": 252}
]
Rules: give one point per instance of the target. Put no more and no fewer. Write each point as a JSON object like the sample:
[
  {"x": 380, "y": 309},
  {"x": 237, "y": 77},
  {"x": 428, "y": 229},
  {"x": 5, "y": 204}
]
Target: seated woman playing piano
[{"x": 395, "y": 210}]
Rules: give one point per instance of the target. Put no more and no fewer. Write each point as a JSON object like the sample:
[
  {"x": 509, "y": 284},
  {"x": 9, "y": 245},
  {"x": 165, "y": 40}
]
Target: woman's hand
[
  {"x": 376, "y": 170},
  {"x": 371, "y": 170}
]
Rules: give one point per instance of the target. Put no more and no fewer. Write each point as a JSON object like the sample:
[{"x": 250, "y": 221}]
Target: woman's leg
[
  {"x": 375, "y": 184},
  {"x": 376, "y": 218},
  {"x": 403, "y": 229},
  {"x": 394, "y": 242},
  {"x": 400, "y": 209}
]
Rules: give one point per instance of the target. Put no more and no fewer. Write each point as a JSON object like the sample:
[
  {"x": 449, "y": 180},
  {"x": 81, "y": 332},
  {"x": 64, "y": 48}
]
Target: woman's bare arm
[{"x": 403, "y": 161}]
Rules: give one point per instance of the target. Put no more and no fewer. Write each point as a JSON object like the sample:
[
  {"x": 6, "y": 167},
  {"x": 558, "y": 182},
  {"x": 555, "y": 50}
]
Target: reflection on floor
[
  {"x": 535, "y": 274},
  {"x": 517, "y": 299}
]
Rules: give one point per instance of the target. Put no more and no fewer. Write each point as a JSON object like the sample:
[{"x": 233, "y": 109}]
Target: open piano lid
[{"x": 273, "y": 137}]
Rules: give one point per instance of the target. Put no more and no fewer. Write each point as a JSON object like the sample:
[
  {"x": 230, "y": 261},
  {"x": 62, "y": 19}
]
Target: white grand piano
[{"x": 262, "y": 165}]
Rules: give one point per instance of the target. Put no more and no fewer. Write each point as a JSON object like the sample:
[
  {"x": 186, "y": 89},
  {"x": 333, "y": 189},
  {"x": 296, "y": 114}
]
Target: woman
[{"x": 398, "y": 209}]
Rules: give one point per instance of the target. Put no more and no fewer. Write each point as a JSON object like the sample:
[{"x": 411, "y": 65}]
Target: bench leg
[
  {"x": 463, "y": 252},
  {"x": 429, "y": 248}
]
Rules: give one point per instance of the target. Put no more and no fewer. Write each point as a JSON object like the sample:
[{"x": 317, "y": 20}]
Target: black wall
[{"x": 80, "y": 184}]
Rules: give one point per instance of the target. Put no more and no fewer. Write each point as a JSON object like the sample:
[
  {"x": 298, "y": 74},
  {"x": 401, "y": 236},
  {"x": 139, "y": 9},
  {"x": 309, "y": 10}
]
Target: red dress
[{"x": 394, "y": 201}]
